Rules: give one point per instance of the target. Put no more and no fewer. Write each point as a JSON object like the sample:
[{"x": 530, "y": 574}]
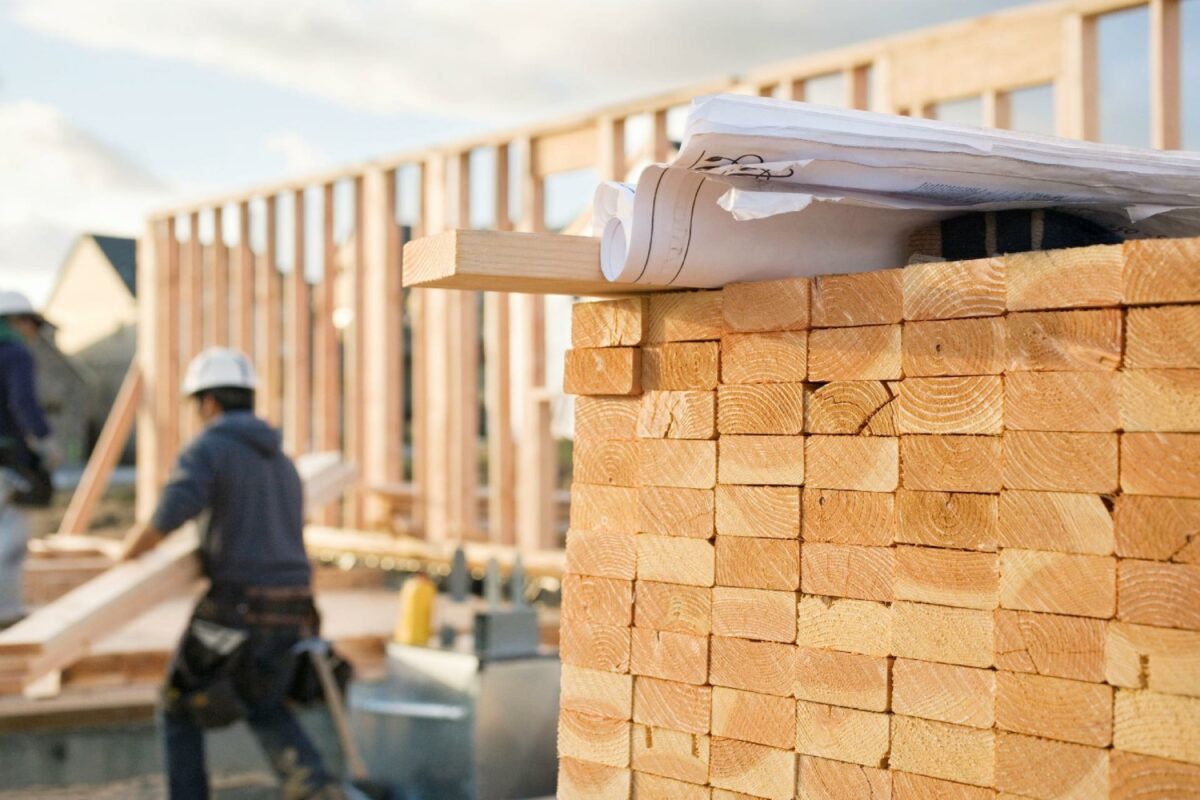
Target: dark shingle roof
[{"x": 122, "y": 254}]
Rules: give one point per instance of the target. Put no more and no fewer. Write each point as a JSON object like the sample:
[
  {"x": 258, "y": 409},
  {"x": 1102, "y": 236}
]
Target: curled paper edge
[{"x": 744, "y": 205}]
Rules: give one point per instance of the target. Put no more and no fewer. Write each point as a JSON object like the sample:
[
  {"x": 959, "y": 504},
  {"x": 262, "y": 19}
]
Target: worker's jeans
[
  {"x": 14, "y": 531},
  {"x": 285, "y": 743}
]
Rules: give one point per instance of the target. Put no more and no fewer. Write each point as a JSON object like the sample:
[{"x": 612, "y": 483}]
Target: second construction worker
[
  {"x": 237, "y": 658},
  {"x": 28, "y": 453}
]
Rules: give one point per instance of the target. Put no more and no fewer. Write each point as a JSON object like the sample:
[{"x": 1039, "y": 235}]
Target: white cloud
[
  {"x": 58, "y": 182},
  {"x": 502, "y": 60},
  {"x": 298, "y": 154}
]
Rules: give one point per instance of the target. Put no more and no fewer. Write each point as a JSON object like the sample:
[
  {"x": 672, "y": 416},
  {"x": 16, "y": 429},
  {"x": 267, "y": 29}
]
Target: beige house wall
[{"x": 90, "y": 304}]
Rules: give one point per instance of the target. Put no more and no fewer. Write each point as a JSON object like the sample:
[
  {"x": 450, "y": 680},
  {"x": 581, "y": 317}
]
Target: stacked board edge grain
[{"x": 919, "y": 533}]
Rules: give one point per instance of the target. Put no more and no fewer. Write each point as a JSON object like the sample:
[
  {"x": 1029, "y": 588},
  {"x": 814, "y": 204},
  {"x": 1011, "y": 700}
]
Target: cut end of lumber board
[{"x": 506, "y": 261}]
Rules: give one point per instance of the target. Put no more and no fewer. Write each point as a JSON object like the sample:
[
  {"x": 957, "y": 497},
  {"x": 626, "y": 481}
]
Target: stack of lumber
[{"x": 921, "y": 533}]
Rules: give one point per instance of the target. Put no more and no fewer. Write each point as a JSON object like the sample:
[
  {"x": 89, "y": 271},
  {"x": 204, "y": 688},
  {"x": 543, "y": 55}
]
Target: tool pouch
[
  {"x": 203, "y": 680},
  {"x": 30, "y": 482},
  {"x": 305, "y": 686}
]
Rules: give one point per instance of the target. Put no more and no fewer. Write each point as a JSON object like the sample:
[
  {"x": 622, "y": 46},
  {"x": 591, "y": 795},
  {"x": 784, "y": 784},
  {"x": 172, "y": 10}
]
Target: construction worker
[
  {"x": 237, "y": 658},
  {"x": 27, "y": 450}
]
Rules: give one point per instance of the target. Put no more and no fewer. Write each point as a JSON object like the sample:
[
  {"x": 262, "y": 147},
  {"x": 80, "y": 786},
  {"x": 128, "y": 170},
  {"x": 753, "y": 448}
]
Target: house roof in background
[{"x": 122, "y": 254}]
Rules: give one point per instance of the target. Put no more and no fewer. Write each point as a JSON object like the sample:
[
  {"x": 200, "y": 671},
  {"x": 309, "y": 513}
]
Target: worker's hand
[
  {"x": 49, "y": 452},
  {"x": 141, "y": 538}
]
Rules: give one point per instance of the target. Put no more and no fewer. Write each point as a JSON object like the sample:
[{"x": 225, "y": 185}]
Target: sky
[{"x": 111, "y": 108}]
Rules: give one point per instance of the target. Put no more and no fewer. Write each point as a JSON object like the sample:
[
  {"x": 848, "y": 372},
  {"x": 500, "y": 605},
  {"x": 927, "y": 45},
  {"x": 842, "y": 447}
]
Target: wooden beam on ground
[{"x": 105, "y": 455}]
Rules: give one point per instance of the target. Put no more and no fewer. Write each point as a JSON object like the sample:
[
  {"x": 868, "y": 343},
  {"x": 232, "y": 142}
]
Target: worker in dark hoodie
[
  {"x": 27, "y": 450},
  {"x": 237, "y": 657}
]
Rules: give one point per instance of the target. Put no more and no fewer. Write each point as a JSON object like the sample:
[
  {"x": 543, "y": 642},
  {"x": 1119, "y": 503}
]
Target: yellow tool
[{"x": 416, "y": 611}]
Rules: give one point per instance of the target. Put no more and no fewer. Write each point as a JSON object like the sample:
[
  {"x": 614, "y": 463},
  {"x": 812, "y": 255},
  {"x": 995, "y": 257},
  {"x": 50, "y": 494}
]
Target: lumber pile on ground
[{"x": 919, "y": 533}]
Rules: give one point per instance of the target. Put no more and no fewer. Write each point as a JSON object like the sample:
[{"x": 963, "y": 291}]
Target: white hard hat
[
  {"x": 16, "y": 304},
  {"x": 219, "y": 367}
]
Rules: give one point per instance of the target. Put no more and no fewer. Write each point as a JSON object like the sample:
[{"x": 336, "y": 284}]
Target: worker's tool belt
[
  {"x": 28, "y": 480},
  {"x": 237, "y": 652}
]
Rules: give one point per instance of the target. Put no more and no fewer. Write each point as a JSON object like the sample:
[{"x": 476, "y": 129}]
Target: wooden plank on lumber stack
[
  {"x": 758, "y": 563},
  {"x": 677, "y": 415},
  {"x": 596, "y": 692},
  {"x": 1062, "y": 401},
  {"x": 673, "y": 607},
  {"x": 671, "y": 754},
  {"x": 825, "y": 779},
  {"x": 1033, "y": 767},
  {"x": 843, "y": 734},
  {"x": 749, "y": 717},
  {"x": 867, "y": 353},
  {"x": 941, "y": 750},
  {"x": 1050, "y": 644},
  {"x": 771, "y": 408},
  {"x": 684, "y": 317},
  {"x": 1081, "y": 277},
  {"x": 603, "y": 371},
  {"x": 1166, "y": 337},
  {"x": 672, "y": 705},
  {"x": 952, "y": 463},
  {"x": 1161, "y": 271},
  {"x": 761, "y": 460},
  {"x": 860, "y": 298},
  {"x": 781, "y": 305},
  {"x": 679, "y": 366},
  {"x": 609, "y": 323},
  {"x": 955, "y": 289},
  {"x": 505, "y": 261},
  {"x": 777, "y": 357},
  {"x": 954, "y": 347},
  {"x": 607, "y": 417},
  {"x": 1157, "y": 528},
  {"x": 671, "y": 511},
  {"x": 587, "y": 780}
]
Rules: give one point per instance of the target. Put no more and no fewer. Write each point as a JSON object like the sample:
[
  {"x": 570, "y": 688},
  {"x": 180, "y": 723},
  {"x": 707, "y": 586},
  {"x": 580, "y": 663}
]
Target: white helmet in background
[
  {"x": 16, "y": 304},
  {"x": 219, "y": 367}
]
